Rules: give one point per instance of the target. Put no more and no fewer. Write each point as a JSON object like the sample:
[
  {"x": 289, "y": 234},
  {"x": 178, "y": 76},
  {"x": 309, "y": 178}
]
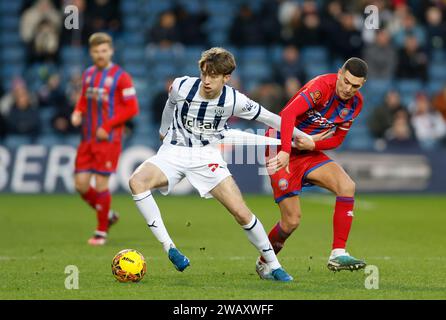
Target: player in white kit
[{"x": 194, "y": 119}]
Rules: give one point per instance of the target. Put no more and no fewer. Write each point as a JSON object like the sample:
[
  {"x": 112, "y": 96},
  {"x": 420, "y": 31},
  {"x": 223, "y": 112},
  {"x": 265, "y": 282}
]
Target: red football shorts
[
  {"x": 286, "y": 184},
  {"x": 97, "y": 157}
]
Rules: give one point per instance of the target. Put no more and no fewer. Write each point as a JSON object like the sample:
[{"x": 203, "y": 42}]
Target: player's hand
[
  {"x": 322, "y": 135},
  {"x": 303, "y": 143},
  {"x": 280, "y": 161},
  {"x": 161, "y": 137},
  {"x": 76, "y": 118},
  {"x": 101, "y": 134}
]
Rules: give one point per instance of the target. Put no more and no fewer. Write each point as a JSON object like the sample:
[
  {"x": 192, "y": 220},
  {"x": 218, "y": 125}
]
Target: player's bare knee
[
  {"x": 81, "y": 187},
  {"x": 137, "y": 183},
  {"x": 242, "y": 214},
  {"x": 346, "y": 189}
]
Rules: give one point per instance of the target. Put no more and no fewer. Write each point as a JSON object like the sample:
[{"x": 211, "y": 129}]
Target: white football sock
[
  {"x": 149, "y": 209},
  {"x": 337, "y": 252},
  {"x": 258, "y": 237}
]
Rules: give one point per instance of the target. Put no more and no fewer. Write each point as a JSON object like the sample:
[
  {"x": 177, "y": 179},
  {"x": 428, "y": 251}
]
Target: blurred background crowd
[{"x": 278, "y": 44}]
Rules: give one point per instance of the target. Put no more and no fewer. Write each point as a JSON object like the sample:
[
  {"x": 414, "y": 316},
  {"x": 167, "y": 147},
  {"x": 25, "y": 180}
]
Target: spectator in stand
[
  {"x": 9, "y": 99},
  {"x": 269, "y": 95},
  {"x": 435, "y": 29},
  {"x": 40, "y": 27},
  {"x": 61, "y": 122},
  {"x": 412, "y": 60},
  {"x": 400, "y": 135},
  {"x": 381, "y": 56},
  {"x": 23, "y": 118},
  {"x": 347, "y": 42},
  {"x": 409, "y": 28},
  {"x": 52, "y": 94},
  {"x": 271, "y": 27},
  {"x": 191, "y": 26},
  {"x": 103, "y": 15},
  {"x": 165, "y": 32},
  {"x": 290, "y": 20},
  {"x": 246, "y": 28},
  {"x": 382, "y": 117},
  {"x": 428, "y": 124},
  {"x": 310, "y": 32},
  {"x": 289, "y": 66},
  {"x": 439, "y": 102}
]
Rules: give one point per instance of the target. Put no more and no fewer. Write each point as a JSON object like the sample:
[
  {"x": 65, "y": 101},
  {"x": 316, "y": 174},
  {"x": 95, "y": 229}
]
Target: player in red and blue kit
[
  {"x": 107, "y": 101},
  {"x": 328, "y": 103}
]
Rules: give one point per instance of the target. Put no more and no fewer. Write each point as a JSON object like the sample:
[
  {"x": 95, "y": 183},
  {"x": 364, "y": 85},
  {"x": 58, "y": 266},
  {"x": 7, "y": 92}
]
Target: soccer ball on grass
[{"x": 129, "y": 266}]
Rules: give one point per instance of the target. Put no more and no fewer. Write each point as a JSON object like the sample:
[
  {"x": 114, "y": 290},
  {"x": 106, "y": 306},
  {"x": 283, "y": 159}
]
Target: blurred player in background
[
  {"x": 107, "y": 101},
  {"x": 327, "y": 103},
  {"x": 194, "y": 120}
]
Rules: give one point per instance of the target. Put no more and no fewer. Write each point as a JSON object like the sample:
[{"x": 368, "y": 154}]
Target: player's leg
[
  {"x": 331, "y": 176},
  {"x": 146, "y": 177},
  {"x": 290, "y": 215},
  {"x": 290, "y": 212},
  {"x": 228, "y": 194},
  {"x": 83, "y": 174}
]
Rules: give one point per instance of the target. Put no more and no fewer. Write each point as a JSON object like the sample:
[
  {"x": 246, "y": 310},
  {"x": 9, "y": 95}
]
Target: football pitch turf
[{"x": 403, "y": 236}]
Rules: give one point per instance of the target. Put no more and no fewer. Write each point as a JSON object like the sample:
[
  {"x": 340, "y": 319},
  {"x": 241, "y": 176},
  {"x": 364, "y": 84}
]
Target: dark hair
[{"x": 356, "y": 66}]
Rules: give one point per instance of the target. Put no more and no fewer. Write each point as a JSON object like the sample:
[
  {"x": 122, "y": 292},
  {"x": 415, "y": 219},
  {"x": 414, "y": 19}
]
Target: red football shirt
[
  {"x": 108, "y": 100},
  {"x": 316, "y": 108}
]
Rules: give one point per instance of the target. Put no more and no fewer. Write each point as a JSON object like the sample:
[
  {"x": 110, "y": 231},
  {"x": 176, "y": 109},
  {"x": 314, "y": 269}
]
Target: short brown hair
[
  {"x": 100, "y": 38},
  {"x": 217, "y": 61}
]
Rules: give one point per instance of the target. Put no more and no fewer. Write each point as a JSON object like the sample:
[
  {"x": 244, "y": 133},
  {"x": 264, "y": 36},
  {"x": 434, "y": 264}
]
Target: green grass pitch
[{"x": 402, "y": 235}]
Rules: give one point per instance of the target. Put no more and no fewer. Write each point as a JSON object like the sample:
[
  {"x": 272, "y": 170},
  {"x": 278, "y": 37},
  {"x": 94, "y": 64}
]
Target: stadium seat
[
  {"x": 314, "y": 54},
  {"x": 255, "y": 71},
  {"x": 254, "y": 54},
  {"x": 133, "y": 54},
  {"x": 433, "y": 87},
  {"x": 9, "y": 23},
  {"x": 12, "y": 54},
  {"x": 15, "y": 140},
  {"x": 72, "y": 55},
  {"x": 438, "y": 55},
  {"x": 313, "y": 70},
  {"x": 437, "y": 71},
  {"x": 49, "y": 140},
  {"x": 408, "y": 88}
]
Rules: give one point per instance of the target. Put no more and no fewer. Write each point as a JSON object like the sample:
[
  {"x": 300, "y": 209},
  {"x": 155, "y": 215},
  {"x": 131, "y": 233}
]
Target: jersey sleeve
[
  {"x": 167, "y": 116},
  {"x": 81, "y": 105},
  {"x": 310, "y": 97},
  {"x": 129, "y": 108},
  {"x": 126, "y": 88},
  {"x": 246, "y": 108}
]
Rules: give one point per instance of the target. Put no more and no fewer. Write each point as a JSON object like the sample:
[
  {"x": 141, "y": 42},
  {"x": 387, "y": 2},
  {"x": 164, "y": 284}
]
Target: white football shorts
[{"x": 203, "y": 167}]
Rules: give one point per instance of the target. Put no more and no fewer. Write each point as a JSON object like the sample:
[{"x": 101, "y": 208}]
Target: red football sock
[
  {"x": 102, "y": 208},
  {"x": 90, "y": 197},
  {"x": 342, "y": 221},
  {"x": 277, "y": 238}
]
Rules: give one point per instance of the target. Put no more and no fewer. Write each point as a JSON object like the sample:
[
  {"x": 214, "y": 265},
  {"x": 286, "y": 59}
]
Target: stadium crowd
[{"x": 279, "y": 45}]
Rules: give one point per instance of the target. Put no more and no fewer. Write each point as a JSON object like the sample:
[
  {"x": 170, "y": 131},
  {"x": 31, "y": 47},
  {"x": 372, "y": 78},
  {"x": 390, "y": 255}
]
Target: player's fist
[
  {"x": 76, "y": 118},
  {"x": 101, "y": 134},
  {"x": 303, "y": 143}
]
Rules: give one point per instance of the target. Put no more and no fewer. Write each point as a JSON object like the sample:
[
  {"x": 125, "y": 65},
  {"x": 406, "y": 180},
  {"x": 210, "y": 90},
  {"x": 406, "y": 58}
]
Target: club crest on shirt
[
  {"x": 283, "y": 184},
  {"x": 316, "y": 96},
  {"x": 344, "y": 112},
  {"x": 108, "y": 81}
]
